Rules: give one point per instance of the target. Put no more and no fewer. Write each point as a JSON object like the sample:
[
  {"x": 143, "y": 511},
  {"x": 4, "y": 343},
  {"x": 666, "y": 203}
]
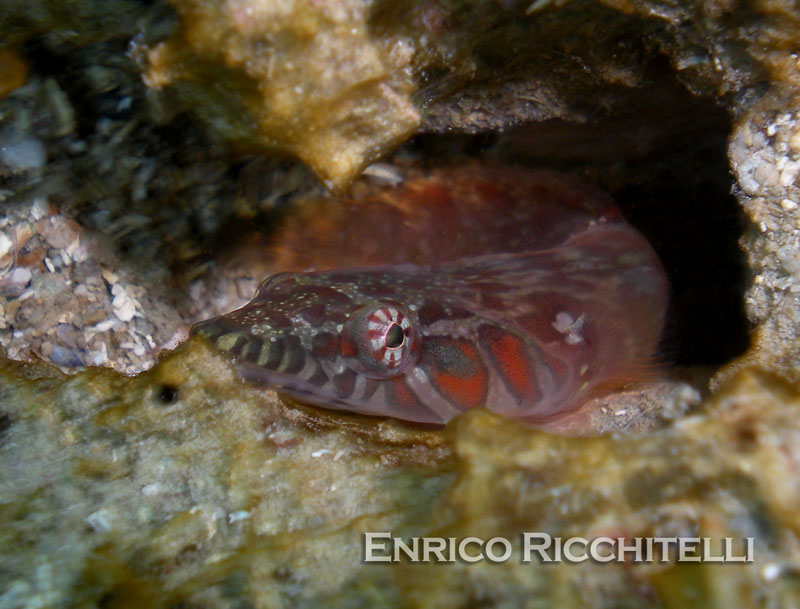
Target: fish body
[{"x": 524, "y": 292}]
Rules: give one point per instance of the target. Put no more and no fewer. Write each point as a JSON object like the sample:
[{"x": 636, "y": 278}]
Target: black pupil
[{"x": 394, "y": 336}]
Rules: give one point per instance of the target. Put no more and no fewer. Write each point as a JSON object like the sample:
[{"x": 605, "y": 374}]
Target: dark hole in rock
[
  {"x": 168, "y": 394},
  {"x": 688, "y": 213},
  {"x": 665, "y": 163},
  {"x": 593, "y": 92}
]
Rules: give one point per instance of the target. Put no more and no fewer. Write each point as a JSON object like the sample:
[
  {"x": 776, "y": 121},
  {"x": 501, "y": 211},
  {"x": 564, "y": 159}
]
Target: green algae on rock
[{"x": 184, "y": 485}]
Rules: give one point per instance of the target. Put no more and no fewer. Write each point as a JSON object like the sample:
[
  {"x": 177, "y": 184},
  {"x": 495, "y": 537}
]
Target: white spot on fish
[{"x": 572, "y": 328}]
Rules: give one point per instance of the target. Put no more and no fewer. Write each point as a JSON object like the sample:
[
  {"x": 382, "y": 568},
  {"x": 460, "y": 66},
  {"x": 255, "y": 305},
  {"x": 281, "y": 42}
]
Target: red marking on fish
[
  {"x": 456, "y": 371},
  {"x": 509, "y": 355},
  {"x": 521, "y": 291}
]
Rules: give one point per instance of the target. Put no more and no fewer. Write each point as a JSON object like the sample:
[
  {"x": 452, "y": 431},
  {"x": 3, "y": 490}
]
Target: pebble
[
  {"x": 57, "y": 232},
  {"x": 62, "y": 110},
  {"x": 5, "y": 244},
  {"x": 123, "y": 305},
  {"x": 61, "y": 356},
  {"x": 67, "y": 334},
  {"x": 384, "y": 173},
  {"x": 794, "y": 141},
  {"x": 16, "y": 282},
  {"x": 98, "y": 357},
  {"x": 99, "y": 521},
  {"x": 106, "y": 325},
  {"x": 21, "y": 153}
]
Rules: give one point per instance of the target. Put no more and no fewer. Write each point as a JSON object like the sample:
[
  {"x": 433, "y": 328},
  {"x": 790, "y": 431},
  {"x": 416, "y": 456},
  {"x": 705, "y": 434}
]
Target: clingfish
[{"x": 524, "y": 292}]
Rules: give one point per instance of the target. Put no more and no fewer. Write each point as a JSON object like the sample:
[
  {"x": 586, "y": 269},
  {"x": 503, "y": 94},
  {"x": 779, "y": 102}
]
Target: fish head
[{"x": 345, "y": 340}]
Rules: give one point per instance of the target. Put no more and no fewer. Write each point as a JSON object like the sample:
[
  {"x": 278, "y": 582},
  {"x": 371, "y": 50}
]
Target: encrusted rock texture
[
  {"x": 138, "y": 193},
  {"x": 182, "y": 485}
]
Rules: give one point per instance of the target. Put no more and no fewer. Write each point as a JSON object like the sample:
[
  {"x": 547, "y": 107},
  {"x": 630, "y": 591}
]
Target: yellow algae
[
  {"x": 303, "y": 78},
  {"x": 13, "y": 71}
]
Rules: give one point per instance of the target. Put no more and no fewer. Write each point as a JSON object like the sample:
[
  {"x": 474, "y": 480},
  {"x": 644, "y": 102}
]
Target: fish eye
[{"x": 380, "y": 341}]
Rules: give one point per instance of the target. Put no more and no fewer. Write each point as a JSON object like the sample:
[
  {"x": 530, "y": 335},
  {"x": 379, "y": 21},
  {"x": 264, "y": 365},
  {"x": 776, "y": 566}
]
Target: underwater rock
[
  {"x": 183, "y": 485},
  {"x": 300, "y": 78},
  {"x": 765, "y": 158}
]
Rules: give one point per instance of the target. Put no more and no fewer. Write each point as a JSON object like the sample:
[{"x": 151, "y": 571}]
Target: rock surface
[{"x": 182, "y": 485}]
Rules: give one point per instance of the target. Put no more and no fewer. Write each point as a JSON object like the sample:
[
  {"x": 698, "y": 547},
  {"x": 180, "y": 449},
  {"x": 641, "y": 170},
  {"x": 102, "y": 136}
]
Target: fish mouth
[
  {"x": 298, "y": 390},
  {"x": 308, "y": 394},
  {"x": 285, "y": 382}
]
